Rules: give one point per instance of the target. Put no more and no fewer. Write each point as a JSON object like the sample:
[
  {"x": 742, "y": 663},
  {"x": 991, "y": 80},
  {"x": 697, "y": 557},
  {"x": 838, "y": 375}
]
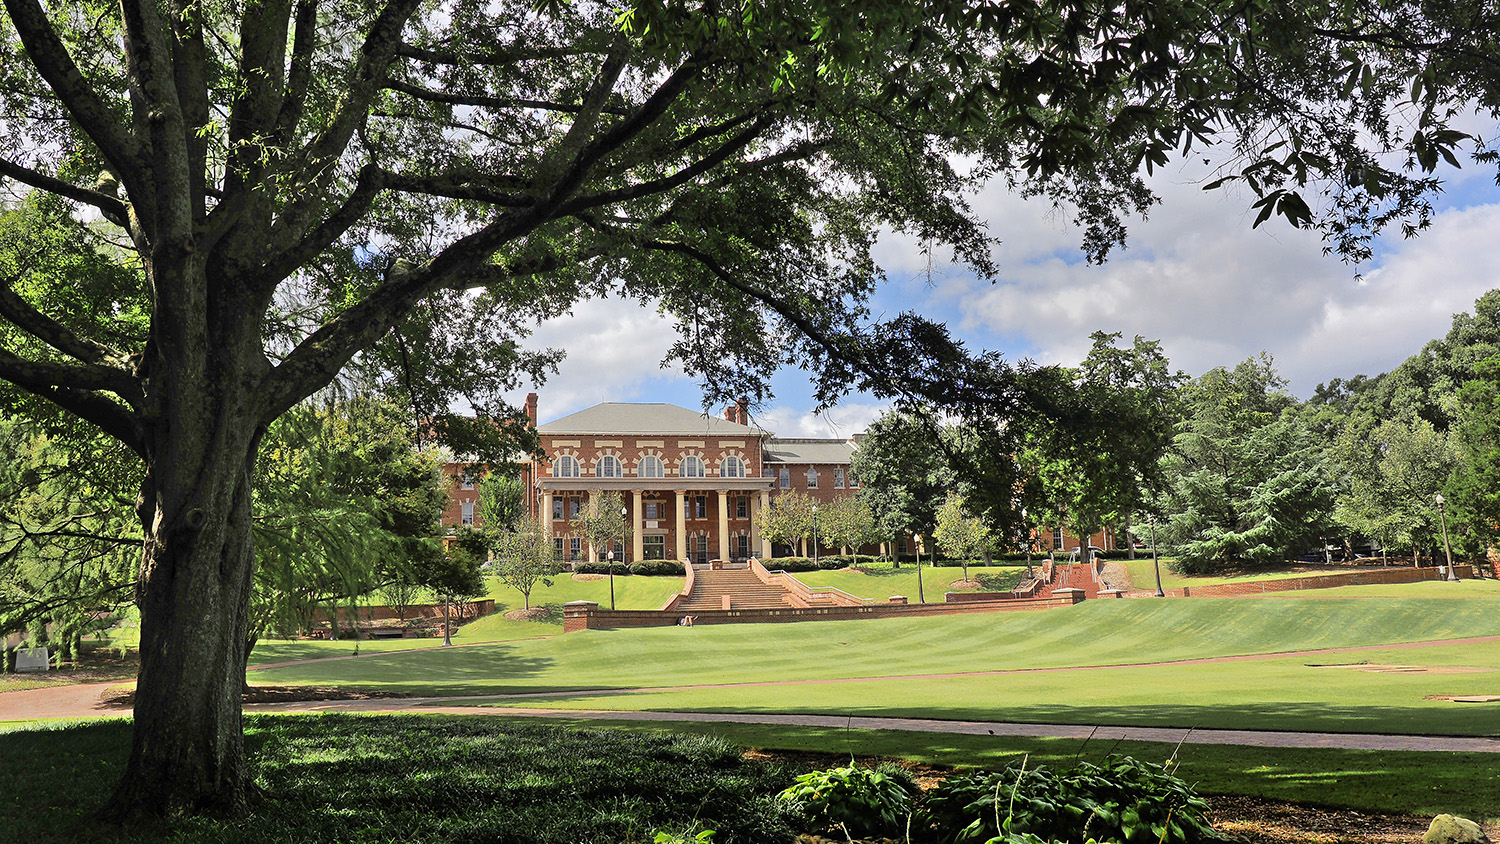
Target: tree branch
[
  {"x": 369, "y": 184},
  {"x": 111, "y": 207},
  {"x": 47, "y": 380},
  {"x": 27, "y": 318},
  {"x": 56, "y": 66},
  {"x": 487, "y": 102},
  {"x": 498, "y": 58}
]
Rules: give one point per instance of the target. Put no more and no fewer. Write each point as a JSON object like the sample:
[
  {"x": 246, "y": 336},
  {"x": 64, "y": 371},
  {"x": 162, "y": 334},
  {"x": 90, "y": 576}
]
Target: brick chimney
[
  {"x": 742, "y": 409},
  {"x": 729, "y": 414},
  {"x": 531, "y": 408}
]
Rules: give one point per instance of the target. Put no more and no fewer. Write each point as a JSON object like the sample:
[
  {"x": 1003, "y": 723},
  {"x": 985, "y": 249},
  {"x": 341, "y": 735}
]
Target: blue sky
[{"x": 1194, "y": 276}]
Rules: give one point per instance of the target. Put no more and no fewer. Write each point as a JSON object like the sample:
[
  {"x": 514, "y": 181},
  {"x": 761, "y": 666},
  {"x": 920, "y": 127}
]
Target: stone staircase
[
  {"x": 743, "y": 589},
  {"x": 1072, "y": 576}
]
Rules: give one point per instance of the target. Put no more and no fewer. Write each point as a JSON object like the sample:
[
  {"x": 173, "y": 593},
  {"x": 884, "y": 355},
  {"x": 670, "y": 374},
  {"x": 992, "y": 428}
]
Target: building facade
[{"x": 691, "y": 484}]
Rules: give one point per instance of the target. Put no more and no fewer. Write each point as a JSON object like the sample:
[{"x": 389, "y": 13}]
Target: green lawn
[
  {"x": 1092, "y": 633},
  {"x": 1296, "y": 693},
  {"x": 881, "y": 581}
]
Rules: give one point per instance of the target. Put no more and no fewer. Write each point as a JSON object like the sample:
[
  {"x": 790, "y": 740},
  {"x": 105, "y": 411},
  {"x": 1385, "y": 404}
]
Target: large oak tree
[{"x": 302, "y": 184}]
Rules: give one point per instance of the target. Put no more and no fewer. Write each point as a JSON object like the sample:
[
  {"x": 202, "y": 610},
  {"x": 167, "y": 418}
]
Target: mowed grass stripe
[
  {"x": 1093, "y": 633},
  {"x": 1284, "y": 693}
]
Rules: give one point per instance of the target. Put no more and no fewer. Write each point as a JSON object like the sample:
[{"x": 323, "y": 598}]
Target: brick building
[{"x": 691, "y": 483}]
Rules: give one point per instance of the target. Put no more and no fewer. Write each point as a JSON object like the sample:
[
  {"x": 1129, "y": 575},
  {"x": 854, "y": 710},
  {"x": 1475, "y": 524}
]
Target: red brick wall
[
  {"x": 588, "y": 617},
  {"x": 1321, "y": 581}
]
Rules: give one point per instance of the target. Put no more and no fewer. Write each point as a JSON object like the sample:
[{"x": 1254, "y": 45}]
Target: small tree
[
  {"x": 788, "y": 520},
  {"x": 502, "y": 502},
  {"x": 523, "y": 558},
  {"x": 960, "y": 534},
  {"x": 602, "y": 523},
  {"x": 848, "y": 523}
]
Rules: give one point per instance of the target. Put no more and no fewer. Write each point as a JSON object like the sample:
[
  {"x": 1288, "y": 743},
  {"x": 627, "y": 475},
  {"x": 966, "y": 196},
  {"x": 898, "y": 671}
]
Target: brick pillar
[
  {"x": 723, "y": 524},
  {"x": 637, "y": 543},
  {"x": 680, "y": 496}
]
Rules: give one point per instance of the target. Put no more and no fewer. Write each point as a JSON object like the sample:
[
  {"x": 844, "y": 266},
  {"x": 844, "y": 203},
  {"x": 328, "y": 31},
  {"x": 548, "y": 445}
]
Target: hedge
[{"x": 658, "y": 568}]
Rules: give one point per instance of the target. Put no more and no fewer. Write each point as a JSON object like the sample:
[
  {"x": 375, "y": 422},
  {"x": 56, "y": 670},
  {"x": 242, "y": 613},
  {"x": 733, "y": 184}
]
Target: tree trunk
[{"x": 193, "y": 592}]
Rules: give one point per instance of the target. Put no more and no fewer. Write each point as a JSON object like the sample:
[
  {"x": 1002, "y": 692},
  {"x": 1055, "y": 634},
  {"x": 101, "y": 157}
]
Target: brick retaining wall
[
  {"x": 1319, "y": 581},
  {"x": 586, "y": 615}
]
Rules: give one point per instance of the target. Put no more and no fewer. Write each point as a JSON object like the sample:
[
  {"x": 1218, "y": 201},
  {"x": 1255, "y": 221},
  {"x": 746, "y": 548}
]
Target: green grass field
[
  {"x": 1278, "y": 693},
  {"x": 881, "y": 581}
]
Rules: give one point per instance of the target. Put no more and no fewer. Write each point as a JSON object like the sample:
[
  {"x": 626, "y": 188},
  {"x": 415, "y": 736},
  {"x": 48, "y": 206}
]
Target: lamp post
[
  {"x": 1447, "y": 551},
  {"x": 1155, "y": 563},
  {"x": 815, "y": 536}
]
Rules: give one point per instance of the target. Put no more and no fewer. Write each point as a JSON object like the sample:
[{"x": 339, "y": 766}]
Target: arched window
[
  {"x": 609, "y": 467},
  {"x": 692, "y": 467},
  {"x": 565, "y": 467},
  {"x": 650, "y": 467},
  {"x": 733, "y": 467}
]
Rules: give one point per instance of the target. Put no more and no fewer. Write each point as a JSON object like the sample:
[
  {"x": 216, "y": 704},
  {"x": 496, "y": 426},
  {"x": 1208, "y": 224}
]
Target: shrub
[
  {"x": 1121, "y": 800},
  {"x": 856, "y": 801},
  {"x": 789, "y": 564},
  {"x": 600, "y": 568},
  {"x": 658, "y": 568}
]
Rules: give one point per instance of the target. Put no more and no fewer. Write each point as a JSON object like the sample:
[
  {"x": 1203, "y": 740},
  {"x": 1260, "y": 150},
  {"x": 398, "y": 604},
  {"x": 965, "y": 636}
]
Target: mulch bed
[{"x": 535, "y": 613}]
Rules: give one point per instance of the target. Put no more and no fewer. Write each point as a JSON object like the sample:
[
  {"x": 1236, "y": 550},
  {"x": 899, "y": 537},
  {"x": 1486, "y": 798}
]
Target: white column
[
  {"x": 765, "y": 504},
  {"x": 593, "y": 510},
  {"x": 545, "y": 517},
  {"x": 637, "y": 543},
  {"x": 680, "y": 496},
  {"x": 723, "y": 524}
]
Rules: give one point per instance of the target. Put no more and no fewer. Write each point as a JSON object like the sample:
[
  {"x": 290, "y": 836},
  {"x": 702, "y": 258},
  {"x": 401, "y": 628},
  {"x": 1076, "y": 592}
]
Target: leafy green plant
[
  {"x": 1121, "y": 800},
  {"x": 691, "y": 835},
  {"x": 860, "y": 801}
]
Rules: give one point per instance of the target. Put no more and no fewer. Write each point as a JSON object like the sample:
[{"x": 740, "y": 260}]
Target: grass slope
[
  {"x": 881, "y": 581},
  {"x": 1093, "y": 633}
]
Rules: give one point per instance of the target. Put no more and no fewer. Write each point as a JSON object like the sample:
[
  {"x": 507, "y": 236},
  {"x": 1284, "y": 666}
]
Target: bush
[
  {"x": 852, "y": 800},
  {"x": 600, "y": 568},
  {"x": 658, "y": 568},
  {"x": 789, "y": 564},
  {"x": 1121, "y": 800}
]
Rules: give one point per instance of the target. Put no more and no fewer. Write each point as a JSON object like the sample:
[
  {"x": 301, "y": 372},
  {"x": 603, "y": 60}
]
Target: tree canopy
[{"x": 296, "y": 186}]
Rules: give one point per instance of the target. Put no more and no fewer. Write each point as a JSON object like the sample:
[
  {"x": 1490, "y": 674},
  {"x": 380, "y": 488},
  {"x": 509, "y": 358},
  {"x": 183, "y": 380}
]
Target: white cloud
[{"x": 841, "y": 422}]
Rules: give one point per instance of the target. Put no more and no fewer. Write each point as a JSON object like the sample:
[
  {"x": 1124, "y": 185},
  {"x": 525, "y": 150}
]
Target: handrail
[
  {"x": 687, "y": 588},
  {"x": 795, "y": 586}
]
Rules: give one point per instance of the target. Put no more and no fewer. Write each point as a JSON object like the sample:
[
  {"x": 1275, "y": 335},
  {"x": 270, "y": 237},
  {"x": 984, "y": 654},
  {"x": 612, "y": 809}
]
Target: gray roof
[
  {"x": 808, "y": 451},
  {"x": 646, "y": 418}
]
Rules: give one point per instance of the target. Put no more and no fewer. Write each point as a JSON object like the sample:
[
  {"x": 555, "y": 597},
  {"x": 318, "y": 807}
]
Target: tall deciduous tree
[
  {"x": 789, "y": 519},
  {"x": 1474, "y": 489},
  {"x": 848, "y": 523},
  {"x": 297, "y": 182}
]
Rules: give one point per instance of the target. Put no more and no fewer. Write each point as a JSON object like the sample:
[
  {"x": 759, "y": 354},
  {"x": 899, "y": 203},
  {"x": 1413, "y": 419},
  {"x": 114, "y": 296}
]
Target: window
[
  {"x": 557, "y": 509},
  {"x": 742, "y": 545},
  {"x": 692, "y": 467},
  {"x": 651, "y": 511},
  {"x": 565, "y": 467},
  {"x": 701, "y": 555},
  {"x": 1057, "y": 539},
  {"x": 733, "y": 467},
  {"x": 786, "y": 478},
  {"x": 742, "y": 508},
  {"x": 903, "y": 545},
  {"x": 812, "y": 478},
  {"x": 838, "y": 478},
  {"x": 467, "y": 483},
  {"x": 575, "y": 548},
  {"x": 700, "y": 506},
  {"x": 557, "y": 547},
  {"x": 768, "y": 471},
  {"x": 574, "y": 504},
  {"x": 650, "y": 467},
  {"x": 467, "y": 508},
  {"x": 609, "y": 467},
  {"x": 654, "y": 547}
]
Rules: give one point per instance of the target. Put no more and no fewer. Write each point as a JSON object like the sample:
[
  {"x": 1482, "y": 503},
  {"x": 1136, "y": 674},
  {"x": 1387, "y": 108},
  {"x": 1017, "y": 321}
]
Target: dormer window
[{"x": 565, "y": 467}]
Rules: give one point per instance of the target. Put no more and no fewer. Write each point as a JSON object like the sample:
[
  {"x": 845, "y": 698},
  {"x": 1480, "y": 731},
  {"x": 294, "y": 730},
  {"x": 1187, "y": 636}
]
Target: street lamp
[
  {"x": 1447, "y": 551},
  {"x": 815, "y": 536},
  {"x": 1155, "y": 563}
]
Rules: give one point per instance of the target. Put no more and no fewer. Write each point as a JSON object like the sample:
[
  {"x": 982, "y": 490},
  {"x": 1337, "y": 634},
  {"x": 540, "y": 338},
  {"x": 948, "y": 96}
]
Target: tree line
[{"x": 1221, "y": 471}]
